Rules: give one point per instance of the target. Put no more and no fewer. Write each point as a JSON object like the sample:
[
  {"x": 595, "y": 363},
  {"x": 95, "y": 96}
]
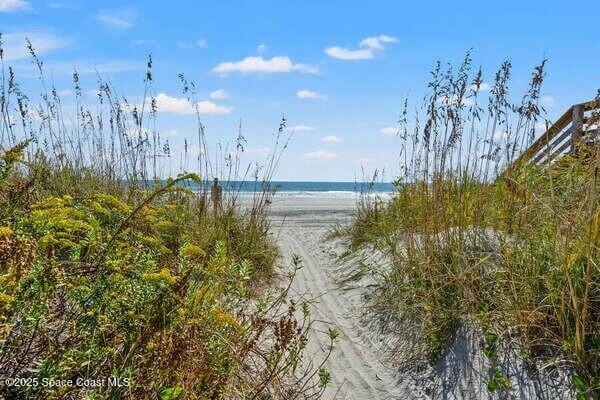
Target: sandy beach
[{"x": 301, "y": 225}]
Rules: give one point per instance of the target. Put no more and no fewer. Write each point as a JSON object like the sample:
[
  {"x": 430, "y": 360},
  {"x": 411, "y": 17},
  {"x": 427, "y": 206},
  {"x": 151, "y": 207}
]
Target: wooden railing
[{"x": 569, "y": 134}]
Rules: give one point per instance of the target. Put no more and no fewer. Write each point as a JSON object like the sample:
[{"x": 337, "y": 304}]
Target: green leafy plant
[{"x": 109, "y": 272}]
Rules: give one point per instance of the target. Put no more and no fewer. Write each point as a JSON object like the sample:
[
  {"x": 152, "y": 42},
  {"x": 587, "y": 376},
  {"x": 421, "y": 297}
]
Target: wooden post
[
  {"x": 216, "y": 193},
  {"x": 577, "y": 126}
]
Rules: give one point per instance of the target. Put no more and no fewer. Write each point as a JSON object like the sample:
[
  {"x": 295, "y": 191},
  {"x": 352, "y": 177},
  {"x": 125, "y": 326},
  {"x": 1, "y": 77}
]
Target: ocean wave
[{"x": 322, "y": 194}]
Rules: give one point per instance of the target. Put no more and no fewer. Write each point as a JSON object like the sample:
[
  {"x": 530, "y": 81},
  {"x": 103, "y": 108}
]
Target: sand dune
[{"x": 359, "y": 366}]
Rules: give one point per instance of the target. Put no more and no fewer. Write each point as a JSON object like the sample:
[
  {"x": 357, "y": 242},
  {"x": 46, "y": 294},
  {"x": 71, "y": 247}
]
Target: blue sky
[{"x": 338, "y": 70}]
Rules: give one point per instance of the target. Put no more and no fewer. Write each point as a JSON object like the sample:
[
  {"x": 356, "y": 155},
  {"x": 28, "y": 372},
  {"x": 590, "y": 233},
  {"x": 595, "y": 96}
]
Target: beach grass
[{"x": 513, "y": 254}]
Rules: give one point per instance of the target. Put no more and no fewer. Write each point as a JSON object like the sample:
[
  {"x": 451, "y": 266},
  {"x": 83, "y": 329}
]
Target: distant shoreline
[{"x": 298, "y": 187}]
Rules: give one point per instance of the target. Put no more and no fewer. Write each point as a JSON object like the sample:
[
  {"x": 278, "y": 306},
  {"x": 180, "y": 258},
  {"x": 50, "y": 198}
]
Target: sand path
[{"x": 357, "y": 371}]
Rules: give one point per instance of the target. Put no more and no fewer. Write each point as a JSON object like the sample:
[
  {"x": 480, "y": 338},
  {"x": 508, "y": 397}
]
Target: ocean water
[{"x": 307, "y": 188}]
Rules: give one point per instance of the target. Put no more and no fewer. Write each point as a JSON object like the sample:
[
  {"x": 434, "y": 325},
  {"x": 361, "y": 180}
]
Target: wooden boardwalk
[{"x": 576, "y": 129}]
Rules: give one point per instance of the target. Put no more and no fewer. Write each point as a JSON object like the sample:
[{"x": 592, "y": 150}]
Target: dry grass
[{"x": 516, "y": 256}]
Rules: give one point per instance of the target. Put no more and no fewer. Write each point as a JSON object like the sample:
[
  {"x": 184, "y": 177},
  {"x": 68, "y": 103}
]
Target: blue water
[
  {"x": 284, "y": 186},
  {"x": 307, "y": 187}
]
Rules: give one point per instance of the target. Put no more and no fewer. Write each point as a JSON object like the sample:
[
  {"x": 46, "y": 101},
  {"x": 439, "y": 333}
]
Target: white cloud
[
  {"x": 175, "y": 105},
  {"x": 14, "y": 5},
  {"x": 166, "y": 103},
  {"x": 331, "y": 139},
  {"x": 548, "y": 101},
  {"x": 346, "y": 54},
  {"x": 208, "y": 107},
  {"x": 202, "y": 43},
  {"x": 14, "y": 44},
  {"x": 261, "y": 48},
  {"x": 320, "y": 155},
  {"x": 259, "y": 64},
  {"x": 120, "y": 19},
  {"x": 219, "y": 95},
  {"x": 64, "y": 93},
  {"x": 309, "y": 94},
  {"x": 389, "y": 130},
  {"x": 366, "y": 50},
  {"x": 300, "y": 128},
  {"x": 375, "y": 42}
]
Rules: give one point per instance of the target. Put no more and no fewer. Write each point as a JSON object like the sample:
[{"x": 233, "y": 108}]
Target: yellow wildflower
[
  {"x": 6, "y": 299},
  {"x": 164, "y": 275},
  {"x": 192, "y": 251},
  {"x": 224, "y": 317}
]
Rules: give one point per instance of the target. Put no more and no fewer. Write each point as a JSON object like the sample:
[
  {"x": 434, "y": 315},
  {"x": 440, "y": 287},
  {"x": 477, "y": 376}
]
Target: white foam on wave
[{"x": 329, "y": 194}]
